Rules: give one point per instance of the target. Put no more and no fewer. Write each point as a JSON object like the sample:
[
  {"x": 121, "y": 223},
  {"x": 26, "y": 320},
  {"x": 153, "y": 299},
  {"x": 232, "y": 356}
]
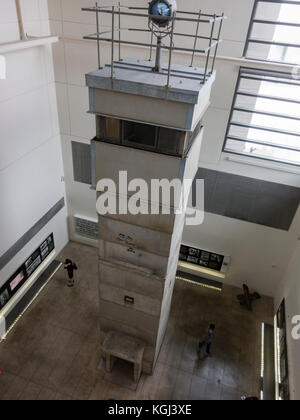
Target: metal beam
[
  {"x": 141, "y": 44},
  {"x": 141, "y": 15},
  {"x": 263, "y": 143},
  {"x": 268, "y": 129},
  {"x": 23, "y": 35},
  {"x": 279, "y": 44},
  {"x": 269, "y": 114},
  {"x": 274, "y": 22},
  {"x": 260, "y": 157},
  {"x": 273, "y": 98}
]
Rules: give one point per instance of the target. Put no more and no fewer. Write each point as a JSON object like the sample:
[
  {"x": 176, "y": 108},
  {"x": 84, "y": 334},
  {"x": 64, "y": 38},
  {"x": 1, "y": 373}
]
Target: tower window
[
  {"x": 145, "y": 136},
  {"x": 142, "y": 135}
]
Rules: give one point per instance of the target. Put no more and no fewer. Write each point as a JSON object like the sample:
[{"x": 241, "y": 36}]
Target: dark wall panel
[
  {"x": 81, "y": 162},
  {"x": 255, "y": 201},
  {"x": 29, "y": 296}
]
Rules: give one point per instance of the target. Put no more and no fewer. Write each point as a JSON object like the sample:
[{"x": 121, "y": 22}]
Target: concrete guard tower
[{"x": 149, "y": 124}]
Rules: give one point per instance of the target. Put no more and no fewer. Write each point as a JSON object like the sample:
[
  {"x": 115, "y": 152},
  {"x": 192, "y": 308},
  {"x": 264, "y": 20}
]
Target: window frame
[
  {"x": 271, "y": 43},
  {"x": 258, "y": 74}
]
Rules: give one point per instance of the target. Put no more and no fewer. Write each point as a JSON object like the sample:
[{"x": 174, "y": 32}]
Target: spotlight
[{"x": 162, "y": 8}]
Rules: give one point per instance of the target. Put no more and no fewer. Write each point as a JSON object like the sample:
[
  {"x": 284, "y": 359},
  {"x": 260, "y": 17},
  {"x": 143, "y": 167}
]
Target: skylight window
[
  {"x": 274, "y": 32},
  {"x": 265, "y": 117}
]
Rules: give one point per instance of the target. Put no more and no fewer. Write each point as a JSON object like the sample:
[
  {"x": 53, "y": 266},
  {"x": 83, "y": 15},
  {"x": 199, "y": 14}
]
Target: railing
[{"x": 118, "y": 11}]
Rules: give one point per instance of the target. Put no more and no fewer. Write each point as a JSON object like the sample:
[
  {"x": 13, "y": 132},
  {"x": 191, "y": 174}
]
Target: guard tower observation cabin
[
  {"x": 149, "y": 123},
  {"x": 187, "y": 85}
]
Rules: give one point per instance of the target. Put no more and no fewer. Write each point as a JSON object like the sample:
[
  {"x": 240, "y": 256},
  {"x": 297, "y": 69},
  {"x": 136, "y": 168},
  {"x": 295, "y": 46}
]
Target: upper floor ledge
[{"x": 30, "y": 42}]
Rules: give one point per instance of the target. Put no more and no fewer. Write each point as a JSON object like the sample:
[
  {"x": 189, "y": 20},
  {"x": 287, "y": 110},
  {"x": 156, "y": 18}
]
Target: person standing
[
  {"x": 70, "y": 267},
  {"x": 205, "y": 343}
]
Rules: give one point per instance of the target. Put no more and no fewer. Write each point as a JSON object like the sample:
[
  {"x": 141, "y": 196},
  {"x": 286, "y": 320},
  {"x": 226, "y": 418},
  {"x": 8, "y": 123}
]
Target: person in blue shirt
[{"x": 205, "y": 343}]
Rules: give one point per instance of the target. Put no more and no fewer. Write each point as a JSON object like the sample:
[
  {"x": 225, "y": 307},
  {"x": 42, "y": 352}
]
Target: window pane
[
  {"x": 267, "y": 11},
  {"x": 283, "y": 28},
  {"x": 276, "y": 33},
  {"x": 276, "y": 123},
  {"x": 140, "y": 134},
  {"x": 278, "y": 90},
  {"x": 290, "y": 13},
  {"x": 268, "y": 105},
  {"x": 265, "y": 152},
  {"x": 292, "y": 55},
  {"x": 265, "y": 136}
]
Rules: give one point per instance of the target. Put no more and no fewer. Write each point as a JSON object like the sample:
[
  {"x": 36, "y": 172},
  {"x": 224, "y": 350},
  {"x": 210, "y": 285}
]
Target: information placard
[
  {"x": 16, "y": 281},
  {"x": 200, "y": 257}
]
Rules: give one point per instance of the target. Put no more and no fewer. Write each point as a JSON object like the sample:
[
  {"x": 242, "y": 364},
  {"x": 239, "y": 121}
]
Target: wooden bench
[{"x": 124, "y": 347}]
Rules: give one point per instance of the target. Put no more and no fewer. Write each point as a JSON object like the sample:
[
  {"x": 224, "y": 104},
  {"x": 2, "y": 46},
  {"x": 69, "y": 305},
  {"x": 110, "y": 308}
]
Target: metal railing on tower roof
[{"x": 214, "y": 23}]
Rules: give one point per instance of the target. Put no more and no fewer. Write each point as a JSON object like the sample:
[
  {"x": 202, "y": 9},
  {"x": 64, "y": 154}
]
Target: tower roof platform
[
  {"x": 136, "y": 77},
  {"x": 136, "y": 93}
]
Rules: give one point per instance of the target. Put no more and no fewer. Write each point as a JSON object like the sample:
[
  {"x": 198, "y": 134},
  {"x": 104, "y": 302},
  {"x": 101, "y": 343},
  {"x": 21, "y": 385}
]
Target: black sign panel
[
  {"x": 33, "y": 262},
  {"x": 47, "y": 247},
  {"x": 202, "y": 258},
  {"x": 4, "y": 297},
  {"x": 16, "y": 281},
  {"x": 282, "y": 351}
]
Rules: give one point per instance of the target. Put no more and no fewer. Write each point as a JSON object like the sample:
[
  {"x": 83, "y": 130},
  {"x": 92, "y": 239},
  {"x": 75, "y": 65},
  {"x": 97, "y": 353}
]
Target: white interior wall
[
  {"x": 259, "y": 254},
  {"x": 35, "y": 16},
  {"x": 31, "y": 167},
  {"x": 290, "y": 291}
]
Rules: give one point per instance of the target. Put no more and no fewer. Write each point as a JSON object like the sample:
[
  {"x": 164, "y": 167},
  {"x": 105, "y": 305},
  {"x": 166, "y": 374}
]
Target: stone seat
[{"x": 124, "y": 347}]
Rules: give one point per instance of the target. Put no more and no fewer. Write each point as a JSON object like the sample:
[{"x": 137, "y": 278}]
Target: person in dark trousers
[
  {"x": 205, "y": 343},
  {"x": 70, "y": 267}
]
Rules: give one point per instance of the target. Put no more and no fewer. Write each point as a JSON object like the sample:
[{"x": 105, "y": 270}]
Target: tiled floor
[{"x": 53, "y": 352}]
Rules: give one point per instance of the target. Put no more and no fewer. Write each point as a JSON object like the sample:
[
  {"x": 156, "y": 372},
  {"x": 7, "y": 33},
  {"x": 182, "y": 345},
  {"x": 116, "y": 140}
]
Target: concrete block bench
[{"x": 124, "y": 347}]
